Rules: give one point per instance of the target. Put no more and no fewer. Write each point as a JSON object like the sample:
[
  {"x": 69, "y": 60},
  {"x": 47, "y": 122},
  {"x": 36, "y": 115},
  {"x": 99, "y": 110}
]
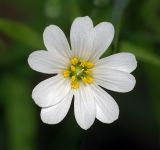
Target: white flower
[{"x": 80, "y": 73}]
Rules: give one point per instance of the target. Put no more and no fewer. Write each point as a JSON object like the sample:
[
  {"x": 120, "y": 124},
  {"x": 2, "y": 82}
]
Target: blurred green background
[{"x": 137, "y": 25}]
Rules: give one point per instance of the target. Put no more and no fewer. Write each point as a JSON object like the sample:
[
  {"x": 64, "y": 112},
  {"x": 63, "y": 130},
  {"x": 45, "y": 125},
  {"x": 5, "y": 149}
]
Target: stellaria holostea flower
[{"x": 80, "y": 72}]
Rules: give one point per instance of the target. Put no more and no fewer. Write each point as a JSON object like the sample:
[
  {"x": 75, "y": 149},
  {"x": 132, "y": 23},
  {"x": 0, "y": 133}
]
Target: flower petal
[
  {"x": 80, "y": 37},
  {"x": 121, "y": 61},
  {"x": 107, "y": 109},
  {"x": 84, "y": 106},
  {"x": 51, "y": 91},
  {"x": 114, "y": 80},
  {"x": 56, "y": 113},
  {"x": 45, "y": 62},
  {"x": 56, "y": 41},
  {"x": 103, "y": 36}
]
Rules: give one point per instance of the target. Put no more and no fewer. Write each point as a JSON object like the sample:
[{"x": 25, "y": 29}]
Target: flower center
[{"x": 79, "y": 70}]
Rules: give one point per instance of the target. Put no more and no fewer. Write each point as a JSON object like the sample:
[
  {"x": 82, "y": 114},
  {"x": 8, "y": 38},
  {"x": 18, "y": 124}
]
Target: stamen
[
  {"x": 74, "y": 61},
  {"x": 87, "y": 79},
  {"x": 73, "y": 78},
  {"x": 66, "y": 73},
  {"x": 84, "y": 79},
  {"x": 89, "y": 64},
  {"x": 74, "y": 84},
  {"x": 73, "y": 68},
  {"x": 90, "y": 79},
  {"x": 82, "y": 62},
  {"x": 88, "y": 71}
]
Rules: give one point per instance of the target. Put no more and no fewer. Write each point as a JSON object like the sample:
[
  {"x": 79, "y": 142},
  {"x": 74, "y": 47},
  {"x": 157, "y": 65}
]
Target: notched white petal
[
  {"x": 107, "y": 109},
  {"x": 56, "y": 41},
  {"x": 121, "y": 61},
  {"x": 45, "y": 62},
  {"x": 56, "y": 113},
  {"x": 103, "y": 36},
  {"x": 114, "y": 80},
  {"x": 84, "y": 107},
  {"x": 81, "y": 40},
  {"x": 51, "y": 91}
]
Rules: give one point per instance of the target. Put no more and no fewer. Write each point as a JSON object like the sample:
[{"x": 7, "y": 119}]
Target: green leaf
[
  {"x": 118, "y": 10},
  {"x": 150, "y": 14},
  {"x": 19, "y": 112},
  {"x": 153, "y": 74},
  {"x": 143, "y": 54},
  {"x": 53, "y": 8},
  {"x": 21, "y": 32},
  {"x": 75, "y": 10},
  {"x": 2, "y": 46}
]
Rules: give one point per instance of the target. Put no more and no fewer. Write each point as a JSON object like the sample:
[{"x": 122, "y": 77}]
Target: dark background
[{"x": 137, "y": 26}]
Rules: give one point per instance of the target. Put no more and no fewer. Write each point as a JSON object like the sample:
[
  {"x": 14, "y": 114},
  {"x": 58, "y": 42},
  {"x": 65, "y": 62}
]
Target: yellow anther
[
  {"x": 88, "y": 71},
  {"x": 74, "y": 61},
  {"x": 84, "y": 79},
  {"x": 73, "y": 78},
  {"x": 82, "y": 62},
  {"x": 74, "y": 84},
  {"x": 89, "y": 64},
  {"x": 73, "y": 68},
  {"x": 66, "y": 73},
  {"x": 89, "y": 79}
]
